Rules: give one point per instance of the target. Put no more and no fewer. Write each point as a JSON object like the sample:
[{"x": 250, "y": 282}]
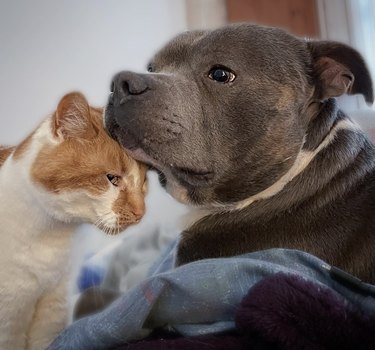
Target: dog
[{"x": 243, "y": 122}]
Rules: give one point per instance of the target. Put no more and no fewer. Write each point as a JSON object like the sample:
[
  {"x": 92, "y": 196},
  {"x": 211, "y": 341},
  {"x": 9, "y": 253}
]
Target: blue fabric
[
  {"x": 90, "y": 276},
  {"x": 195, "y": 299}
]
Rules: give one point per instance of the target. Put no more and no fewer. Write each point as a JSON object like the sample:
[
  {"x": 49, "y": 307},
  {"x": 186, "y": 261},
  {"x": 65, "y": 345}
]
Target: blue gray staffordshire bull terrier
[{"x": 242, "y": 121}]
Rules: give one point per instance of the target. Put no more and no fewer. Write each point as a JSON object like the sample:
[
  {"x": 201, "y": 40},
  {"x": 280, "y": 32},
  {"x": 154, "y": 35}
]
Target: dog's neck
[
  {"x": 335, "y": 157},
  {"x": 325, "y": 131}
]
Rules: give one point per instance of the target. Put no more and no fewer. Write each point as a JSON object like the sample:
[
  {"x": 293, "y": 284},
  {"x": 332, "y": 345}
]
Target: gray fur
[{"x": 222, "y": 143}]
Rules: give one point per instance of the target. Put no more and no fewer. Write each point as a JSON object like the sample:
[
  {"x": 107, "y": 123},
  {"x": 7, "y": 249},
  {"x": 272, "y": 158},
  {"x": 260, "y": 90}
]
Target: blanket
[
  {"x": 283, "y": 312},
  {"x": 202, "y": 299}
]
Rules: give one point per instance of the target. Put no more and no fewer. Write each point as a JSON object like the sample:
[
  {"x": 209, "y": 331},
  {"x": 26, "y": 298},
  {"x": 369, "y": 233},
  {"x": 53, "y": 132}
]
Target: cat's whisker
[{"x": 118, "y": 226}]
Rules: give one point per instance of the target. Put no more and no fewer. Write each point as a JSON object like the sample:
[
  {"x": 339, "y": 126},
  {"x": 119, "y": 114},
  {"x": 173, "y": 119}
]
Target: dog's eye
[
  {"x": 221, "y": 75},
  {"x": 113, "y": 179}
]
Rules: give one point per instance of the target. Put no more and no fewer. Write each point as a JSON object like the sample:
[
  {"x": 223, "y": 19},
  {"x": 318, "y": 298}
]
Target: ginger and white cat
[{"x": 69, "y": 171}]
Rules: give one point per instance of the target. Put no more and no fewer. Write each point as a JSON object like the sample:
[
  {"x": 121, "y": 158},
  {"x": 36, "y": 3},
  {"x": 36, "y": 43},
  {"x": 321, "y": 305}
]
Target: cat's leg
[
  {"x": 17, "y": 308},
  {"x": 50, "y": 317}
]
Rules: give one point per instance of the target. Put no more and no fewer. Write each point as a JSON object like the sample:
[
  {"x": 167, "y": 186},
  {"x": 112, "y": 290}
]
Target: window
[{"x": 351, "y": 22}]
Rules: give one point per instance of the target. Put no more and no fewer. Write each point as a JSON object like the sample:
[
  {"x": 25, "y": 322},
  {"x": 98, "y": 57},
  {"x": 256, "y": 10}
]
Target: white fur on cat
[{"x": 36, "y": 228}]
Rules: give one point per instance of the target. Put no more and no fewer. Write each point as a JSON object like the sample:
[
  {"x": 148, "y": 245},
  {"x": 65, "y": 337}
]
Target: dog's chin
[
  {"x": 177, "y": 180},
  {"x": 166, "y": 178},
  {"x": 124, "y": 137}
]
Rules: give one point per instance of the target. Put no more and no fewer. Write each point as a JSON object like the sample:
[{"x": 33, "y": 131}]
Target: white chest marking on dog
[{"x": 303, "y": 159}]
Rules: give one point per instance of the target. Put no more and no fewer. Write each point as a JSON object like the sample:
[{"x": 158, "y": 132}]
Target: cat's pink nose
[{"x": 138, "y": 213}]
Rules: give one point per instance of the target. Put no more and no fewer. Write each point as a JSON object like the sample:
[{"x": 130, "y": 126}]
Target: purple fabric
[
  {"x": 212, "y": 342},
  {"x": 284, "y": 312}
]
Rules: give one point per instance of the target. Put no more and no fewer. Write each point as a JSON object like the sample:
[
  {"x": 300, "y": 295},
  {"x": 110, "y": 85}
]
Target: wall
[
  {"x": 351, "y": 22},
  {"x": 51, "y": 47},
  {"x": 296, "y": 16}
]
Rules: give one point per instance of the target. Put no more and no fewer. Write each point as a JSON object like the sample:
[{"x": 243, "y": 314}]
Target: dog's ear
[
  {"x": 72, "y": 118},
  {"x": 339, "y": 69}
]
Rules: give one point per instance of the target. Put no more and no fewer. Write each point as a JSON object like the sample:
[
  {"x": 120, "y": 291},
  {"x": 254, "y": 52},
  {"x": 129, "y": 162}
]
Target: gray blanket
[{"x": 201, "y": 297}]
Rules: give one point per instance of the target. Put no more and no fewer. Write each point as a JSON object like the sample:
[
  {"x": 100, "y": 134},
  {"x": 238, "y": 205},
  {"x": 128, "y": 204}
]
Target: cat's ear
[
  {"x": 339, "y": 69},
  {"x": 72, "y": 118}
]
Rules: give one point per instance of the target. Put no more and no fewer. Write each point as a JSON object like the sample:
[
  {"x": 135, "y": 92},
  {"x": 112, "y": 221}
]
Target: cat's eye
[
  {"x": 150, "y": 68},
  {"x": 221, "y": 74},
  {"x": 113, "y": 179}
]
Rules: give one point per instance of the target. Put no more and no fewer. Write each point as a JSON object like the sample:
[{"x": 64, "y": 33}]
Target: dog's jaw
[
  {"x": 166, "y": 178},
  {"x": 303, "y": 159},
  {"x": 175, "y": 179}
]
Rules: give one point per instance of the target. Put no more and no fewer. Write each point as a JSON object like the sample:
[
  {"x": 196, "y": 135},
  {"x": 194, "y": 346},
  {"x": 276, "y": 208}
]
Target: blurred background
[{"x": 50, "y": 47}]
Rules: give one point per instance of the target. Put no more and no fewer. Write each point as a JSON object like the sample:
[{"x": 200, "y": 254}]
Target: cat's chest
[
  {"x": 34, "y": 248},
  {"x": 47, "y": 258}
]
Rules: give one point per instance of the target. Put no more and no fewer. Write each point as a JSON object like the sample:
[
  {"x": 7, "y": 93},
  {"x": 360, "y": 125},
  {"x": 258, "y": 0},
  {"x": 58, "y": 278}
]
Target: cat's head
[{"x": 83, "y": 174}]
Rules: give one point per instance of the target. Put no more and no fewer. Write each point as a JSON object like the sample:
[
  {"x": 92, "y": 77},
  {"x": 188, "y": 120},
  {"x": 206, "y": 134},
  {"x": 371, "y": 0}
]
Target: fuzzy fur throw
[{"x": 283, "y": 312}]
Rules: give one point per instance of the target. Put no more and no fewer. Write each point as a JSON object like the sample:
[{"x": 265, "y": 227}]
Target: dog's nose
[{"x": 128, "y": 83}]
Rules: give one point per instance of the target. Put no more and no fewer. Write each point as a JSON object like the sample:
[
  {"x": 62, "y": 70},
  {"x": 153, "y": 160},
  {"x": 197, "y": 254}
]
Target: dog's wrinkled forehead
[
  {"x": 256, "y": 49},
  {"x": 177, "y": 51}
]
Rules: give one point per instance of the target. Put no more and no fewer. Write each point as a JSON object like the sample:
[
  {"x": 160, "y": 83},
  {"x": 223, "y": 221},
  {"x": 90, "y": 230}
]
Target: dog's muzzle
[{"x": 125, "y": 85}]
